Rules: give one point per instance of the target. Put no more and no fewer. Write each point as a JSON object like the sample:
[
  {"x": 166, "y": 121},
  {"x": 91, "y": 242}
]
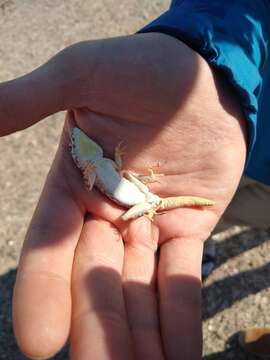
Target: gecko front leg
[
  {"x": 118, "y": 154},
  {"x": 89, "y": 175}
]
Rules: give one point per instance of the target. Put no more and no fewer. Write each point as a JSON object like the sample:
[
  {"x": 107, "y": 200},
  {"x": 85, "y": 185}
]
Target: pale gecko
[{"x": 126, "y": 190}]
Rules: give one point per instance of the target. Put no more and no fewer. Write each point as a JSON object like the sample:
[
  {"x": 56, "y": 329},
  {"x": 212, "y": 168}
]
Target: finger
[
  {"x": 99, "y": 323},
  {"x": 42, "y": 299},
  {"x": 140, "y": 289},
  {"x": 180, "y": 297}
]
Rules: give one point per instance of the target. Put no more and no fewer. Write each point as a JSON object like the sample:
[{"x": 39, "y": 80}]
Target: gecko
[{"x": 126, "y": 190}]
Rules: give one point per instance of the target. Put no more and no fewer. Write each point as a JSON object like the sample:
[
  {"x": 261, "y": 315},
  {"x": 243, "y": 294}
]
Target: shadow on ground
[
  {"x": 232, "y": 352},
  {"x": 216, "y": 296}
]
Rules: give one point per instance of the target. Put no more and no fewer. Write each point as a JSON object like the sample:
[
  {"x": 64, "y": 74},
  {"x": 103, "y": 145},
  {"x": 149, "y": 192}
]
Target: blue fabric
[{"x": 234, "y": 37}]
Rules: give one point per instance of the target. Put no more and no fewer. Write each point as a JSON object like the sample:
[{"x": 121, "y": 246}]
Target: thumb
[
  {"x": 64, "y": 82},
  {"x": 32, "y": 97},
  {"x": 101, "y": 75},
  {"x": 28, "y": 99}
]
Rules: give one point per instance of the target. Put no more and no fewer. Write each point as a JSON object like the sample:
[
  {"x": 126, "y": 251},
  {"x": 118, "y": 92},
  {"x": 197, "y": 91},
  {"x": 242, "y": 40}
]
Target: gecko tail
[{"x": 184, "y": 201}]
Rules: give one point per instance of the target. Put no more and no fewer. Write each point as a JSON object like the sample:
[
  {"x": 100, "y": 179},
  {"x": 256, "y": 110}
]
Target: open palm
[{"x": 86, "y": 273}]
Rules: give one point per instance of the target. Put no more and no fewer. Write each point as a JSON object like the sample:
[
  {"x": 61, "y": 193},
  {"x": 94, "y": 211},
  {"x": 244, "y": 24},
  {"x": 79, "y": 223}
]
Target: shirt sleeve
[{"x": 233, "y": 36}]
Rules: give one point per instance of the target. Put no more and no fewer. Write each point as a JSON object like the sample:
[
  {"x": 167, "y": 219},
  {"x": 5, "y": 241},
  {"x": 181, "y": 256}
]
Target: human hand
[{"x": 150, "y": 91}]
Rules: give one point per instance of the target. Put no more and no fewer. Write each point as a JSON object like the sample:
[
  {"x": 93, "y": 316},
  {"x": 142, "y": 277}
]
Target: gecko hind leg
[
  {"x": 134, "y": 179},
  {"x": 153, "y": 177},
  {"x": 147, "y": 179}
]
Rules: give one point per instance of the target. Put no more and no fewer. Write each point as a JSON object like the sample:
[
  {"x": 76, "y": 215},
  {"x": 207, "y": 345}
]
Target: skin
[{"x": 85, "y": 273}]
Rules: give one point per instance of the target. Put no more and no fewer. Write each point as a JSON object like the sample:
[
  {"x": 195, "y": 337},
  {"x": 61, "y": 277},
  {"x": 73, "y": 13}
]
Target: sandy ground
[{"x": 236, "y": 295}]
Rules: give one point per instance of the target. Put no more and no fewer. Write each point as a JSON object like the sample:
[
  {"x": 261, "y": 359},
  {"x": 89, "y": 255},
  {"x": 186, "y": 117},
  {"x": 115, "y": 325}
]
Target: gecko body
[
  {"x": 127, "y": 191},
  {"x": 104, "y": 173}
]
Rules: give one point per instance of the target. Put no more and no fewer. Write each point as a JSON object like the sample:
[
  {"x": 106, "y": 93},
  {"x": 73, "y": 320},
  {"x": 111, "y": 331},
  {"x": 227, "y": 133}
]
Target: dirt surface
[{"x": 236, "y": 294}]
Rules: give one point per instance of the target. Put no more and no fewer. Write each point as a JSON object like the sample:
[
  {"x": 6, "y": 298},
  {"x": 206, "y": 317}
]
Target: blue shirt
[{"x": 234, "y": 38}]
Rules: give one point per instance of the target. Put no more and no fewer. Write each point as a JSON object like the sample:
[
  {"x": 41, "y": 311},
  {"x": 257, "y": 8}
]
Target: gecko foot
[{"x": 146, "y": 179}]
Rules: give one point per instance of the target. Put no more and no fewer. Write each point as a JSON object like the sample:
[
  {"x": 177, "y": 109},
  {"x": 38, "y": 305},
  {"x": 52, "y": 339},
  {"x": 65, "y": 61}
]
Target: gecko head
[{"x": 84, "y": 149}]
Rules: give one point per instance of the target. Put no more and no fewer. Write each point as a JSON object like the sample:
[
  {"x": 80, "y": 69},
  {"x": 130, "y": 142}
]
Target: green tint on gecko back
[{"x": 83, "y": 148}]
